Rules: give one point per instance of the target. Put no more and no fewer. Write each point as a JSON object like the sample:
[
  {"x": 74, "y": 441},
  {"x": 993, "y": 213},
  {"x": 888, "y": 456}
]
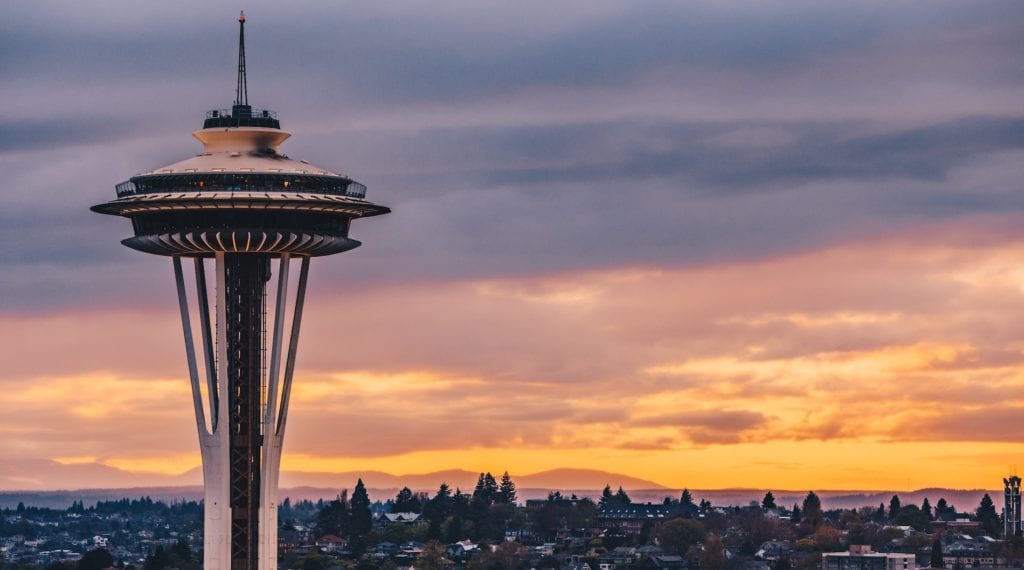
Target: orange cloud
[{"x": 900, "y": 349}]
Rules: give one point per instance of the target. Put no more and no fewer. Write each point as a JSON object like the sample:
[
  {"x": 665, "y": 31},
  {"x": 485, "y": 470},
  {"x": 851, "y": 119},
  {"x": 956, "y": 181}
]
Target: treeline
[{"x": 449, "y": 515}]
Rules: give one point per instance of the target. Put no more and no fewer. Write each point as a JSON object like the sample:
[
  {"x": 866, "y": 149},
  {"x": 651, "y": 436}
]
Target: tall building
[
  {"x": 1011, "y": 507},
  {"x": 246, "y": 211}
]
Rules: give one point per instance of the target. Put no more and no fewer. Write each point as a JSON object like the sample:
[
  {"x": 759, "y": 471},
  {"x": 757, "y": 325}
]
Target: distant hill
[
  {"x": 962, "y": 499},
  {"x": 555, "y": 479},
  {"x": 45, "y": 475},
  {"x": 32, "y": 483}
]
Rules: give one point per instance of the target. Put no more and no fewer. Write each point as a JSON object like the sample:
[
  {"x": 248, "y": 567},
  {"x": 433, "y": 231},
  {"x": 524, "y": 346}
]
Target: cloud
[
  {"x": 512, "y": 144},
  {"x": 773, "y": 227}
]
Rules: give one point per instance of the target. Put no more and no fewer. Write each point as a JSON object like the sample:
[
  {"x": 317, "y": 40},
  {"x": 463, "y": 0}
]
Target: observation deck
[{"x": 241, "y": 195}]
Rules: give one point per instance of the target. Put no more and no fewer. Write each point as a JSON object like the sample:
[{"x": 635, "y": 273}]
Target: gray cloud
[{"x": 520, "y": 140}]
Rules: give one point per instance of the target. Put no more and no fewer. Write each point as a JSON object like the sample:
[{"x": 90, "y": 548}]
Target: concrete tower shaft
[{"x": 250, "y": 214}]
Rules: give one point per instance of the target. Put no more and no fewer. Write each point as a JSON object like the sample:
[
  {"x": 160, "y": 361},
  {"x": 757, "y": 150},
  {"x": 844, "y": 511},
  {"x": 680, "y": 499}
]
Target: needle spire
[{"x": 241, "y": 90}]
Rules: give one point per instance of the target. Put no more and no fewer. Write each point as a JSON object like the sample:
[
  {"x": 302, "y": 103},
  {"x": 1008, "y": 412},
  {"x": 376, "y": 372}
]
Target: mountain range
[{"x": 36, "y": 483}]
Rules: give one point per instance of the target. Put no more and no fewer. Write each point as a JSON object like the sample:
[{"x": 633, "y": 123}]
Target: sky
[{"x": 708, "y": 244}]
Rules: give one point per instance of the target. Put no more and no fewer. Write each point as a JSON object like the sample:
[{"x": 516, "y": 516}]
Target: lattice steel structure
[
  {"x": 1011, "y": 507},
  {"x": 248, "y": 208}
]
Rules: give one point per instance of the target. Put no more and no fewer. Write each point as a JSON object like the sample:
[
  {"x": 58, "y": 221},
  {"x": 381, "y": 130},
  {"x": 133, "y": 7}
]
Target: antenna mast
[{"x": 241, "y": 89}]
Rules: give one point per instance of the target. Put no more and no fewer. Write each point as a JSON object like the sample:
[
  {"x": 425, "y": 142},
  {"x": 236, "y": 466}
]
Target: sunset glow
[{"x": 740, "y": 245}]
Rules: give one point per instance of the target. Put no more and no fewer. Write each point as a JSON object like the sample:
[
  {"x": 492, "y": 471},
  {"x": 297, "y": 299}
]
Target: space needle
[{"x": 245, "y": 211}]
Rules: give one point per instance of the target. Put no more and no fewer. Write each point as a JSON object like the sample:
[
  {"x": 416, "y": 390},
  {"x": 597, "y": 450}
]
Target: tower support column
[{"x": 242, "y": 443}]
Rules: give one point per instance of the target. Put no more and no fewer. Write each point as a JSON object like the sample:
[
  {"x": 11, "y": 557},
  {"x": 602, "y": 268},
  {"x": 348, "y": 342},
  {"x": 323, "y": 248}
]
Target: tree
[
  {"x": 432, "y": 556},
  {"x": 926, "y": 508},
  {"x": 406, "y": 502},
  {"x": 713, "y": 557},
  {"x": 936, "y": 558},
  {"x": 796, "y": 515},
  {"x": 158, "y": 560},
  {"x": 812, "y": 514},
  {"x": 437, "y": 510},
  {"x": 678, "y": 535},
  {"x": 507, "y": 490},
  {"x": 606, "y": 496},
  {"x": 769, "y": 501},
  {"x": 507, "y": 556},
  {"x": 333, "y": 517},
  {"x": 943, "y": 511},
  {"x": 621, "y": 497},
  {"x": 360, "y": 516},
  {"x": 826, "y": 538},
  {"x": 96, "y": 559},
  {"x": 486, "y": 490},
  {"x": 360, "y": 519},
  {"x": 894, "y": 507},
  {"x": 782, "y": 564},
  {"x": 182, "y": 556},
  {"x": 911, "y": 515},
  {"x": 987, "y": 516},
  {"x": 686, "y": 499}
]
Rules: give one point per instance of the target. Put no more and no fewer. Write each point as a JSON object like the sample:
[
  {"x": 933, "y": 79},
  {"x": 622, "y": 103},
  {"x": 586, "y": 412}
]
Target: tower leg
[
  {"x": 277, "y": 409},
  {"x": 241, "y": 447}
]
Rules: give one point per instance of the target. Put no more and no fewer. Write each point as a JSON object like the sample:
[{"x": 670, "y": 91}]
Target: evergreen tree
[
  {"x": 894, "y": 507},
  {"x": 880, "y": 513},
  {"x": 926, "y": 508},
  {"x": 987, "y": 516},
  {"x": 769, "y": 501},
  {"x": 606, "y": 496},
  {"x": 490, "y": 486},
  {"x": 406, "y": 502},
  {"x": 360, "y": 518},
  {"x": 944, "y": 511},
  {"x": 96, "y": 559},
  {"x": 158, "y": 560},
  {"x": 686, "y": 499},
  {"x": 507, "y": 490},
  {"x": 332, "y": 517},
  {"x": 485, "y": 491},
  {"x": 796, "y": 516},
  {"x": 621, "y": 497},
  {"x": 437, "y": 509},
  {"x": 812, "y": 514},
  {"x": 936, "y": 558}
]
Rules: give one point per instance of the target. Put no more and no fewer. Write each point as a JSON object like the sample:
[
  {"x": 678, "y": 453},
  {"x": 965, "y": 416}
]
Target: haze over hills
[
  {"x": 41, "y": 475},
  {"x": 35, "y": 483}
]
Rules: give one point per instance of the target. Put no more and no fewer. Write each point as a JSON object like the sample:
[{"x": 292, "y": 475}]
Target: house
[
  {"x": 331, "y": 544},
  {"x": 664, "y": 561},
  {"x": 405, "y": 518},
  {"x": 621, "y": 555},
  {"x": 461, "y": 550},
  {"x": 774, "y": 550}
]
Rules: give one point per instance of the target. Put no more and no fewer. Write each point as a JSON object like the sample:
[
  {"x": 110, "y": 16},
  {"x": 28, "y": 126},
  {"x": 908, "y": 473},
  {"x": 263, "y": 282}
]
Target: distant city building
[
  {"x": 630, "y": 518},
  {"x": 861, "y": 557},
  {"x": 1011, "y": 507}
]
